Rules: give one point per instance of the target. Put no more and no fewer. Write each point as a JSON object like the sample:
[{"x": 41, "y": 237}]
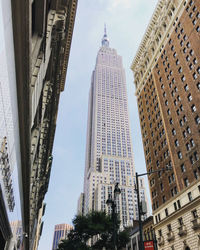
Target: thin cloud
[{"x": 120, "y": 3}]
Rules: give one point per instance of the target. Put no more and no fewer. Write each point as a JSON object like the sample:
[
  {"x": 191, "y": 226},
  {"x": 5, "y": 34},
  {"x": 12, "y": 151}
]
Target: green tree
[{"x": 96, "y": 228}]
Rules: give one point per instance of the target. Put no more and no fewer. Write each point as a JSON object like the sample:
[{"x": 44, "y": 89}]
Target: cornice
[
  {"x": 154, "y": 38},
  {"x": 71, "y": 13}
]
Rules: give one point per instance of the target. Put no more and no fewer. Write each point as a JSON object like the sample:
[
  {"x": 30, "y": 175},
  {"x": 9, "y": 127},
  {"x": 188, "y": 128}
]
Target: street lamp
[
  {"x": 141, "y": 245},
  {"x": 112, "y": 202}
]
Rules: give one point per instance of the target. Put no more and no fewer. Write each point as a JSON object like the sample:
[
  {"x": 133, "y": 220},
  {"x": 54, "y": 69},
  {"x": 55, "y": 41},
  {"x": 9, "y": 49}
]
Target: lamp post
[
  {"x": 112, "y": 202},
  {"x": 141, "y": 245}
]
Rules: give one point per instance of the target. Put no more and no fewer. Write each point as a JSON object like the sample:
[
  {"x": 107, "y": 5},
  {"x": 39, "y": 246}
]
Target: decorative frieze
[{"x": 7, "y": 175}]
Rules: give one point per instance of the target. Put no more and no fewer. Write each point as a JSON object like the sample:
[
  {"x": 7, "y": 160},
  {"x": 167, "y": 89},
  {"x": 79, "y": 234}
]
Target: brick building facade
[{"x": 167, "y": 78}]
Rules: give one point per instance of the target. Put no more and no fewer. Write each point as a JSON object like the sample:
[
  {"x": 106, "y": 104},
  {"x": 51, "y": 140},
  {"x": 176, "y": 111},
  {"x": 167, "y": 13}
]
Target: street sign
[{"x": 148, "y": 245}]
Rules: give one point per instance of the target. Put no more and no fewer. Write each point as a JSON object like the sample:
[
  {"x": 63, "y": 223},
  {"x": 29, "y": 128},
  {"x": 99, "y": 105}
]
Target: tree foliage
[{"x": 95, "y": 231}]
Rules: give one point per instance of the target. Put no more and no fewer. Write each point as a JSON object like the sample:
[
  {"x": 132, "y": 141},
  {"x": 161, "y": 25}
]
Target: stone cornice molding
[
  {"x": 154, "y": 37},
  {"x": 71, "y": 13}
]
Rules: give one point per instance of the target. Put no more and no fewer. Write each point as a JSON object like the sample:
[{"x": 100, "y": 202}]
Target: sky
[{"x": 126, "y": 22}]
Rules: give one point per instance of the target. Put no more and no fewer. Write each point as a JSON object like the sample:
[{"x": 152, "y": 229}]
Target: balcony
[
  {"x": 170, "y": 236},
  {"x": 160, "y": 241},
  {"x": 196, "y": 223},
  {"x": 182, "y": 230}
]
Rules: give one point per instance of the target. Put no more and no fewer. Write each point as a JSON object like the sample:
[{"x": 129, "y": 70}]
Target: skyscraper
[
  {"x": 60, "y": 232},
  {"x": 109, "y": 157},
  {"x": 167, "y": 78}
]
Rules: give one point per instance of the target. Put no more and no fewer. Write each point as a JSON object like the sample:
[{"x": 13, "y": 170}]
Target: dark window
[
  {"x": 182, "y": 167},
  {"x": 194, "y": 214},
  {"x": 169, "y": 227},
  {"x": 190, "y": 196},
  {"x": 175, "y": 206},
  {"x": 186, "y": 182},
  {"x": 180, "y": 221},
  {"x": 196, "y": 175},
  {"x": 179, "y": 204}
]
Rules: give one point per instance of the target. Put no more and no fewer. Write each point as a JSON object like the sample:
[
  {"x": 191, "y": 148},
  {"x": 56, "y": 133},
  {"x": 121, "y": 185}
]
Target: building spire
[
  {"x": 105, "y": 41},
  {"x": 105, "y": 29}
]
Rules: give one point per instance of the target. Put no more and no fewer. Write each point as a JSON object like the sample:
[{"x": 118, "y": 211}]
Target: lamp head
[{"x": 117, "y": 190}]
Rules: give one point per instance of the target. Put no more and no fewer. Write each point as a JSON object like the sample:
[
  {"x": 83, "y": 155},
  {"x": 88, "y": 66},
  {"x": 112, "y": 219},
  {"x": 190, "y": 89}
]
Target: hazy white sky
[{"x": 126, "y": 22}]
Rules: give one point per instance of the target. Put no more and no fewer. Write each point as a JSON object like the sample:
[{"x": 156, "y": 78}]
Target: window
[
  {"x": 179, "y": 203},
  {"x": 164, "y": 198},
  {"x": 194, "y": 75},
  {"x": 183, "y": 78},
  {"x": 186, "y": 87},
  {"x": 195, "y": 60},
  {"x": 193, "y": 107},
  {"x": 186, "y": 182},
  {"x": 191, "y": 2},
  {"x": 192, "y": 161},
  {"x": 188, "y": 45},
  {"x": 188, "y": 130},
  {"x": 191, "y": 52},
  {"x": 175, "y": 206},
  {"x": 190, "y": 196},
  {"x": 192, "y": 143},
  {"x": 196, "y": 156},
  {"x": 191, "y": 15},
  {"x": 194, "y": 214},
  {"x": 181, "y": 107},
  {"x": 180, "y": 221},
  {"x": 197, "y": 119},
  {"x": 185, "y": 37},
  {"x": 173, "y": 131},
  {"x": 182, "y": 168},
  {"x": 176, "y": 143},
  {"x": 166, "y": 211},
  {"x": 179, "y": 155},
  {"x": 169, "y": 228},
  {"x": 181, "y": 43},
  {"x": 180, "y": 70},
  {"x": 196, "y": 175},
  {"x": 191, "y": 66},
  {"x": 188, "y": 146}
]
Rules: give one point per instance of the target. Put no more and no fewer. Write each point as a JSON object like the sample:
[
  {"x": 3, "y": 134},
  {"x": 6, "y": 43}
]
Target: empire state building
[{"x": 109, "y": 157}]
